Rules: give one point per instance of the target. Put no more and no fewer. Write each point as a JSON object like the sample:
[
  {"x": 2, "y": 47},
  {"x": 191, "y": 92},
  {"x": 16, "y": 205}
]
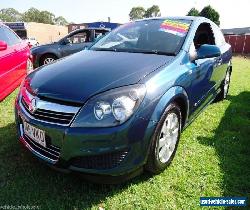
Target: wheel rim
[
  {"x": 226, "y": 84},
  {"x": 48, "y": 60},
  {"x": 168, "y": 137},
  {"x": 29, "y": 66}
]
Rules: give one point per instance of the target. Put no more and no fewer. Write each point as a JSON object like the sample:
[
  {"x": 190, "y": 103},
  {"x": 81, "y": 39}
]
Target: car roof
[
  {"x": 91, "y": 28},
  {"x": 191, "y": 18}
]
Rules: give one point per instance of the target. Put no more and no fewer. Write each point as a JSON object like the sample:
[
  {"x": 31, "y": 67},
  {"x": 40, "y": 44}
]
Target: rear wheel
[
  {"x": 224, "y": 87},
  {"x": 165, "y": 140},
  {"x": 47, "y": 59}
]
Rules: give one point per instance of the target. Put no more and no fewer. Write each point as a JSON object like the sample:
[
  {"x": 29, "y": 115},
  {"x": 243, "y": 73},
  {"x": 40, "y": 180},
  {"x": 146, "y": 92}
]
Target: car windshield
[{"x": 158, "y": 36}]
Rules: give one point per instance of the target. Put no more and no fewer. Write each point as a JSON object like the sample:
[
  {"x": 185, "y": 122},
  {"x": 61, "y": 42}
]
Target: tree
[
  {"x": 10, "y": 15},
  {"x": 61, "y": 21},
  {"x": 47, "y": 17},
  {"x": 153, "y": 11},
  {"x": 137, "y": 13},
  {"x": 32, "y": 15},
  {"x": 211, "y": 14},
  {"x": 193, "y": 12}
]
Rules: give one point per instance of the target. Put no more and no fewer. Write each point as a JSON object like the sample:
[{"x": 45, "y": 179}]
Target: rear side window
[
  {"x": 219, "y": 37},
  {"x": 13, "y": 39}
]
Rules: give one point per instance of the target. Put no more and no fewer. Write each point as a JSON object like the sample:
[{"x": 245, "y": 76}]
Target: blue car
[{"x": 118, "y": 108}]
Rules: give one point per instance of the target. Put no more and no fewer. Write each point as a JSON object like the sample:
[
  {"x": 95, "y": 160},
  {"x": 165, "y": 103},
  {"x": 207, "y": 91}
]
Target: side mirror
[
  {"x": 208, "y": 51},
  {"x": 3, "y": 45}
]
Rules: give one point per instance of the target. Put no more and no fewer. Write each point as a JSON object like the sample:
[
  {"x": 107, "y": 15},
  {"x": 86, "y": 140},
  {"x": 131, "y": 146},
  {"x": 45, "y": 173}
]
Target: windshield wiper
[
  {"x": 104, "y": 49},
  {"x": 136, "y": 51},
  {"x": 157, "y": 52}
]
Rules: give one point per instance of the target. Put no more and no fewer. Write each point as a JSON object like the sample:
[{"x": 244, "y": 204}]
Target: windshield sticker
[{"x": 176, "y": 27}]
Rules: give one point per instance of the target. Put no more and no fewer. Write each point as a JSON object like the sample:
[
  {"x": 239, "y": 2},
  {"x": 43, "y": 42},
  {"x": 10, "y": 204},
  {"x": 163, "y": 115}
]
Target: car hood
[{"x": 84, "y": 74}]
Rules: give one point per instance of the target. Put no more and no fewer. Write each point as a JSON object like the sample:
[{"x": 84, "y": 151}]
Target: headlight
[{"x": 111, "y": 108}]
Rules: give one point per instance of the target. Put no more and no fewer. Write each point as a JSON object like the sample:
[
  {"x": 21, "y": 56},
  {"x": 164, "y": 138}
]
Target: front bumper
[{"x": 111, "y": 151}]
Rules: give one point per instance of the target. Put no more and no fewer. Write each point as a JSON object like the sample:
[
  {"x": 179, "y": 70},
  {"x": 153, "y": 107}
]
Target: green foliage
[
  {"x": 212, "y": 159},
  {"x": 61, "y": 21},
  {"x": 153, "y": 11},
  {"x": 10, "y": 15},
  {"x": 32, "y": 15},
  {"x": 137, "y": 13},
  {"x": 193, "y": 12},
  {"x": 140, "y": 12},
  {"x": 211, "y": 14},
  {"x": 207, "y": 12}
]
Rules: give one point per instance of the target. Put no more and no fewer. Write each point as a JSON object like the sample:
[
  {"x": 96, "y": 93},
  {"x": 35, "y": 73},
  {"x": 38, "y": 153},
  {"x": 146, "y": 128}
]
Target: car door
[
  {"x": 223, "y": 62},
  {"x": 203, "y": 72},
  {"x": 13, "y": 62},
  {"x": 76, "y": 42}
]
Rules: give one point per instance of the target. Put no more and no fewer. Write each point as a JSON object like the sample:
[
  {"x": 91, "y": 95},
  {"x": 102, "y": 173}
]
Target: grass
[{"x": 213, "y": 159}]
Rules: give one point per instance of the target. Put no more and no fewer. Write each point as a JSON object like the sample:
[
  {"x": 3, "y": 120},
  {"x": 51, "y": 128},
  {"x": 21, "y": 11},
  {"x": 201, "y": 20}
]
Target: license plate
[{"x": 35, "y": 134}]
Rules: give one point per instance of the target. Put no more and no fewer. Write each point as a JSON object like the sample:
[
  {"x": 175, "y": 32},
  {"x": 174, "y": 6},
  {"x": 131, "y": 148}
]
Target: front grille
[
  {"x": 103, "y": 161},
  {"x": 48, "y": 115},
  {"x": 51, "y": 151}
]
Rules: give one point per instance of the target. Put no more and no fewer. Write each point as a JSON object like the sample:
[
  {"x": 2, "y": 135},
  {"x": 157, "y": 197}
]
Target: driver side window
[
  {"x": 204, "y": 35},
  {"x": 79, "y": 38}
]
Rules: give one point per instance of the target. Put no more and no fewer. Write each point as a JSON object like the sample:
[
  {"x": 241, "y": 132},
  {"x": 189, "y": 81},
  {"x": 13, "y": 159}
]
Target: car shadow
[
  {"x": 24, "y": 177},
  {"x": 231, "y": 141}
]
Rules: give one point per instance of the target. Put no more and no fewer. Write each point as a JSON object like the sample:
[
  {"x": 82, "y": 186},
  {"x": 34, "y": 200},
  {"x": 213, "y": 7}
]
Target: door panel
[
  {"x": 203, "y": 82},
  {"x": 13, "y": 65},
  {"x": 204, "y": 73}
]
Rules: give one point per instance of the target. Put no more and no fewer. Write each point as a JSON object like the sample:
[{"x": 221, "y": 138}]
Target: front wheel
[
  {"x": 165, "y": 140},
  {"x": 48, "y": 59}
]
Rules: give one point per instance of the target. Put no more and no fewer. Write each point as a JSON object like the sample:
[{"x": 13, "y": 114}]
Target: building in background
[
  {"x": 239, "y": 38},
  {"x": 44, "y": 33},
  {"x": 107, "y": 25}
]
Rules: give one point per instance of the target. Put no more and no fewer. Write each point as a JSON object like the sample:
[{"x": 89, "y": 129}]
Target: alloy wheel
[
  {"x": 168, "y": 137},
  {"x": 48, "y": 60},
  {"x": 226, "y": 84},
  {"x": 29, "y": 67}
]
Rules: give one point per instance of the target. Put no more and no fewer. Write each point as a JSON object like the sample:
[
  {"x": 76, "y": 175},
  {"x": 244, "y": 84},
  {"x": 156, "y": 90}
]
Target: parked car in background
[
  {"x": 72, "y": 43},
  {"x": 32, "y": 42},
  {"x": 15, "y": 61},
  {"x": 119, "y": 108}
]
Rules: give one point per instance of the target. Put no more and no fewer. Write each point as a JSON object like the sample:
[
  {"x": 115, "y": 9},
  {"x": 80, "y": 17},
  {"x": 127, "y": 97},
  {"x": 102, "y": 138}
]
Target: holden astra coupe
[{"x": 120, "y": 106}]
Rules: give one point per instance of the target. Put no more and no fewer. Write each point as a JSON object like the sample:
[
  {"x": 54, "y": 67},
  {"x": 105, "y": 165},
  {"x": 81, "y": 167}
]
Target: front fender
[{"x": 176, "y": 93}]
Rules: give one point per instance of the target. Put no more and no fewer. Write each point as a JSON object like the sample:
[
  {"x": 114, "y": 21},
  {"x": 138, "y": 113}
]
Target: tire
[
  {"x": 157, "y": 159},
  {"x": 224, "y": 87},
  {"x": 47, "y": 59}
]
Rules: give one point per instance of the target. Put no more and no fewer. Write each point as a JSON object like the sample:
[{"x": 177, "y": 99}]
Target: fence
[{"x": 239, "y": 43}]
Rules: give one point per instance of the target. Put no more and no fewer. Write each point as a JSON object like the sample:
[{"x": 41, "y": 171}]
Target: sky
[{"x": 232, "y": 13}]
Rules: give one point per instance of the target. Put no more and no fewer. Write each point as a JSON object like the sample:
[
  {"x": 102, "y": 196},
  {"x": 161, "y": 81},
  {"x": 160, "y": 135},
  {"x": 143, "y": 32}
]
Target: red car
[{"x": 15, "y": 61}]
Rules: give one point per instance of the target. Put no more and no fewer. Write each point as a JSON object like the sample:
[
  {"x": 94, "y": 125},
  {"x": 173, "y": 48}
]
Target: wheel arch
[{"x": 178, "y": 95}]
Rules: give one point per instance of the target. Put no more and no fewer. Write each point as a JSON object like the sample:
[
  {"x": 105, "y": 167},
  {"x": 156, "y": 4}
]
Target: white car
[{"x": 32, "y": 41}]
